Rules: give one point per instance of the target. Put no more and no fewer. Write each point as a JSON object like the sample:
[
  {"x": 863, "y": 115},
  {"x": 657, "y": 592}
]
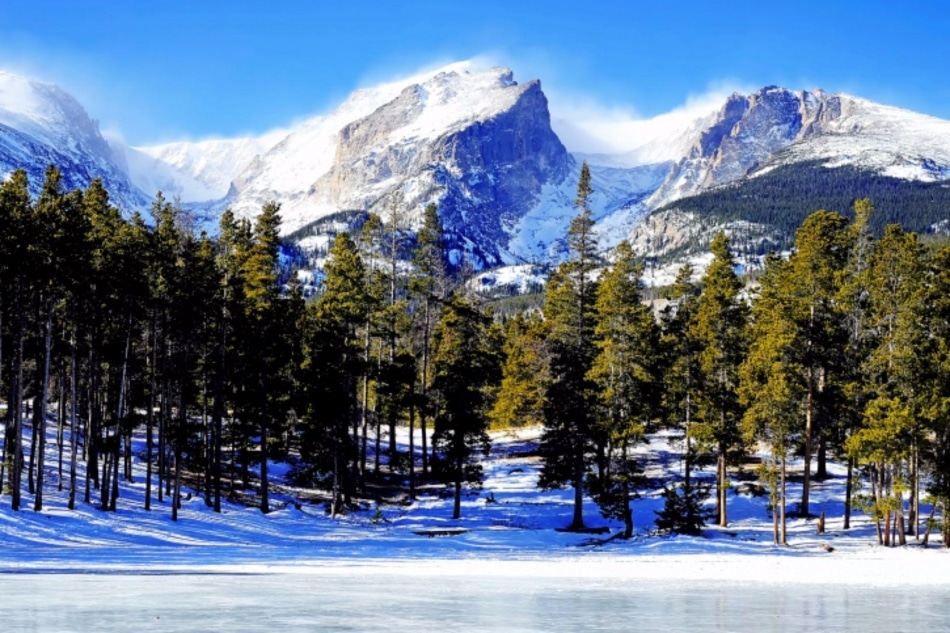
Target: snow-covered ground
[{"x": 510, "y": 529}]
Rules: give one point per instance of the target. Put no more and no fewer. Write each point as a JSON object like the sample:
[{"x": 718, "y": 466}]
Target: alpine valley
[{"x": 481, "y": 146}]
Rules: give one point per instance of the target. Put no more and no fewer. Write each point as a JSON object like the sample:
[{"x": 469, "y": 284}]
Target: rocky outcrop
[
  {"x": 480, "y": 146},
  {"x": 41, "y": 125},
  {"x": 747, "y": 131}
]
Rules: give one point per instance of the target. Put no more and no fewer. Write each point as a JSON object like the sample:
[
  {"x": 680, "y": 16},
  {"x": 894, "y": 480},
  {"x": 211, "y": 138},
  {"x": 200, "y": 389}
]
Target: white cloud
[{"x": 588, "y": 126}]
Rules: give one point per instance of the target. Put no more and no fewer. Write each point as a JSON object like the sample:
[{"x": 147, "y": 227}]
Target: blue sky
[{"x": 155, "y": 71}]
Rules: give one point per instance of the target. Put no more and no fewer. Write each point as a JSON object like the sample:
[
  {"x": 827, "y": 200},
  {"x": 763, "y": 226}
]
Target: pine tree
[
  {"x": 16, "y": 214},
  {"x": 897, "y": 368},
  {"x": 938, "y": 299},
  {"x": 524, "y": 378},
  {"x": 853, "y": 298},
  {"x": 719, "y": 328},
  {"x": 429, "y": 283},
  {"x": 570, "y": 442},
  {"x": 812, "y": 288},
  {"x": 624, "y": 373},
  {"x": 683, "y": 509},
  {"x": 332, "y": 365},
  {"x": 464, "y": 370},
  {"x": 772, "y": 386},
  {"x": 265, "y": 379}
]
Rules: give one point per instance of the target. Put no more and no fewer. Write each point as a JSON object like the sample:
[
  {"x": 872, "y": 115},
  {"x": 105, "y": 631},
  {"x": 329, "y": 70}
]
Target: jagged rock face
[
  {"x": 747, "y": 131},
  {"x": 480, "y": 146},
  {"x": 496, "y": 171},
  {"x": 41, "y": 125}
]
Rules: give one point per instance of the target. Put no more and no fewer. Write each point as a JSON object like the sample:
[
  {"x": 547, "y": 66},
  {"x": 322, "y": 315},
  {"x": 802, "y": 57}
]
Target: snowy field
[{"x": 507, "y": 529}]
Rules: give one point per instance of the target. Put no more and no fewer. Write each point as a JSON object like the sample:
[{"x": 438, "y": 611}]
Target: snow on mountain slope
[
  {"x": 197, "y": 171},
  {"x": 40, "y": 125},
  {"x": 362, "y": 150},
  {"x": 888, "y": 140},
  {"x": 290, "y": 168},
  {"x": 775, "y": 126},
  {"x": 474, "y": 141}
]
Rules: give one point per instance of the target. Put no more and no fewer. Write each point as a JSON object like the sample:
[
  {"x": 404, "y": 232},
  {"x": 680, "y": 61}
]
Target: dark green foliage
[
  {"x": 570, "y": 439},
  {"x": 684, "y": 510},
  {"x": 784, "y": 197},
  {"x": 464, "y": 370}
]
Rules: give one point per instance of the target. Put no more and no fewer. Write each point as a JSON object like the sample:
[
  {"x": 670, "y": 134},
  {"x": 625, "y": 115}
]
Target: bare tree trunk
[
  {"x": 335, "y": 505},
  {"x": 721, "y": 489},
  {"x": 930, "y": 522},
  {"x": 915, "y": 491},
  {"x": 364, "y": 415},
  {"x": 412, "y": 442},
  {"x": 15, "y": 415},
  {"x": 105, "y": 488},
  {"x": 162, "y": 432},
  {"x": 848, "y": 492},
  {"x": 265, "y": 502},
  {"x": 73, "y": 417},
  {"x": 577, "y": 522},
  {"x": 61, "y": 426},
  {"x": 424, "y": 390},
  {"x": 120, "y": 414},
  {"x": 176, "y": 489},
  {"x": 457, "y": 505},
  {"x": 899, "y": 521},
  {"x": 782, "y": 501},
  {"x": 92, "y": 428},
  {"x": 627, "y": 511},
  {"x": 809, "y": 430},
  {"x": 217, "y": 415},
  {"x": 41, "y": 431},
  {"x": 34, "y": 438},
  {"x": 207, "y": 440},
  {"x": 688, "y": 456},
  {"x": 115, "y": 471},
  {"x": 150, "y": 416}
]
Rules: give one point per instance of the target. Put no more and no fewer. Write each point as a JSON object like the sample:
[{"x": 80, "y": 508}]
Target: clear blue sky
[{"x": 160, "y": 70}]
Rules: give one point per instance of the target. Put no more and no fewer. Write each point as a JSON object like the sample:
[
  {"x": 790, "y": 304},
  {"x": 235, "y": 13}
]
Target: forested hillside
[
  {"x": 782, "y": 197},
  {"x": 114, "y": 328}
]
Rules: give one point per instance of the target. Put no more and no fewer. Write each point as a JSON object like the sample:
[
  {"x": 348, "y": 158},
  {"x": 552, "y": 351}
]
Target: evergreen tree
[
  {"x": 812, "y": 288},
  {"x": 429, "y": 284},
  {"x": 524, "y": 378},
  {"x": 624, "y": 373},
  {"x": 683, "y": 510},
  {"x": 464, "y": 370},
  {"x": 332, "y": 364},
  {"x": 853, "y": 298},
  {"x": 266, "y": 382},
  {"x": 938, "y": 299},
  {"x": 772, "y": 386},
  {"x": 570, "y": 442},
  {"x": 719, "y": 328},
  {"x": 897, "y": 369},
  {"x": 16, "y": 215}
]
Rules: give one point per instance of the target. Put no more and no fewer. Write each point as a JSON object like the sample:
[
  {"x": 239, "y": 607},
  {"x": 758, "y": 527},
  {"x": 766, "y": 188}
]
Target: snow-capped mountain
[
  {"x": 749, "y": 132},
  {"x": 196, "y": 171},
  {"x": 40, "y": 125},
  {"x": 481, "y": 146},
  {"x": 475, "y": 142},
  {"x": 754, "y": 135}
]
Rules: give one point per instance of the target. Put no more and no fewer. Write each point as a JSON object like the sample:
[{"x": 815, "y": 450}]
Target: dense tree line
[
  {"x": 208, "y": 348},
  {"x": 766, "y": 200}
]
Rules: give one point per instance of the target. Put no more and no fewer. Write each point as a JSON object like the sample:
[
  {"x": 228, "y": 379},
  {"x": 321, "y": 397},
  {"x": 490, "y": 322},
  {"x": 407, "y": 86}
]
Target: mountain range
[{"x": 481, "y": 146}]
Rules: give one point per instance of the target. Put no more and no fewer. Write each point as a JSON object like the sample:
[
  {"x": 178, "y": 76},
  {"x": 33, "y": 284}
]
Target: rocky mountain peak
[{"x": 42, "y": 125}]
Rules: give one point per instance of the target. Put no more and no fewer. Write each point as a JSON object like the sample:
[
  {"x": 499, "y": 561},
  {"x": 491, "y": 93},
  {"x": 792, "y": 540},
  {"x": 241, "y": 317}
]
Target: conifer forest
[{"x": 118, "y": 327}]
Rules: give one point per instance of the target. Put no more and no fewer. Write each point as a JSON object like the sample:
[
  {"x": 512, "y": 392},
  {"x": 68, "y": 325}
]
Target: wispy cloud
[{"x": 589, "y": 126}]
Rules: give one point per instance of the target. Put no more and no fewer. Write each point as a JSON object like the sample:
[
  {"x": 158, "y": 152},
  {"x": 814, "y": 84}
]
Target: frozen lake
[{"x": 381, "y": 600}]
